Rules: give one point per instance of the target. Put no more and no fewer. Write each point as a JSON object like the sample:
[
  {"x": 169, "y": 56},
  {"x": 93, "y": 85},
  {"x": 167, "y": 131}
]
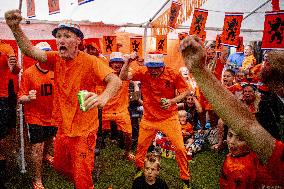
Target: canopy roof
[{"x": 138, "y": 12}]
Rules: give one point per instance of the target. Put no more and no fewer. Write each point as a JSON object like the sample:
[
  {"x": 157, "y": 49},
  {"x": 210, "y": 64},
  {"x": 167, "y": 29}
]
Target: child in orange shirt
[{"x": 186, "y": 128}]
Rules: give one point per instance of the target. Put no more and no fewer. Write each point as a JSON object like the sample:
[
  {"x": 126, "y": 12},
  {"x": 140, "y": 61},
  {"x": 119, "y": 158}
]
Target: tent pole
[
  {"x": 20, "y": 5},
  {"x": 147, "y": 25},
  {"x": 256, "y": 9}
]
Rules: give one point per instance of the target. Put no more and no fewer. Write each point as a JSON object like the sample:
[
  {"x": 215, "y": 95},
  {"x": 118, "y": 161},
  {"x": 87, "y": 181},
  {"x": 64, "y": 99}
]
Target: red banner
[
  {"x": 275, "y": 5},
  {"x": 232, "y": 28},
  {"x": 174, "y": 12},
  {"x": 109, "y": 44},
  {"x": 161, "y": 44},
  {"x": 198, "y": 23},
  {"x": 136, "y": 45},
  {"x": 240, "y": 46},
  {"x": 53, "y": 6},
  {"x": 30, "y": 8},
  {"x": 81, "y": 2},
  {"x": 219, "y": 45},
  {"x": 273, "y": 33}
]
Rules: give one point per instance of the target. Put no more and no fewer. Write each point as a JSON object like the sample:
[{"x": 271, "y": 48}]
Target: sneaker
[
  {"x": 49, "y": 159},
  {"x": 129, "y": 156},
  {"x": 38, "y": 185},
  {"x": 186, "y": 186}
]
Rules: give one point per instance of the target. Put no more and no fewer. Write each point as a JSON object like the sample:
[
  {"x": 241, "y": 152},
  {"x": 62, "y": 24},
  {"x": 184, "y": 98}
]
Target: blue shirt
[{"x": 236, "y": 59}]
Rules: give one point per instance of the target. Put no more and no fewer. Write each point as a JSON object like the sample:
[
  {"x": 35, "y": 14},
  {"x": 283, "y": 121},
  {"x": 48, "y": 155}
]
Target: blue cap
[{"x": 75, "y": 28}]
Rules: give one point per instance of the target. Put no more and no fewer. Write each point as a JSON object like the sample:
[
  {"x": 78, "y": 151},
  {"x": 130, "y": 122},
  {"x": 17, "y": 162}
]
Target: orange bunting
[
  {"x": 182, "y": 35},
  {"x": 81, "y": 2},
  {"x": 30, "y": 8},
  {"x": 198, "y": 23},
  {"x": 161, "y": 44},
  {"x": 232, "y": 28},
  {"x": 273, "y": 36},
  {"x": 174, "y": 12},
  {"x": 109, "y": 44},
  {"x": 160, "y": 26},
  {"x": 136, "y": 45},
  {"x": 53, "y": 6},
  {"x": 240, "y": 46},
  {"x": 219, "y": 45}
]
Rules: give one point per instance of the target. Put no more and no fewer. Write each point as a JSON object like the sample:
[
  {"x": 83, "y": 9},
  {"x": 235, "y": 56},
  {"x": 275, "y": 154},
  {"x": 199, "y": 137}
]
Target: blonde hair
[{"x": 182, "y": 113}]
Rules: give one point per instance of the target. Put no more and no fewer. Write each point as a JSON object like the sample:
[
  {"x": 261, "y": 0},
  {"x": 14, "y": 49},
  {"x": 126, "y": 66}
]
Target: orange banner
[
  {"x": 174, "y": 12},
  {"x": 161, "y": 44},
  {"x": 53, "y": 6},
  {"x": 198, "y": 22},
  {"x": 30, "y": 8},
  {"x": 219, "y": 44},
  {"x": 240, "y": 46},
  {"x": 109, "y": 44},
  {"x": 182, "y": 35},
  {"x": 273, "y": 35},
  {"x": 232, "y": 28},
  {"x": 136, "y": 45}
]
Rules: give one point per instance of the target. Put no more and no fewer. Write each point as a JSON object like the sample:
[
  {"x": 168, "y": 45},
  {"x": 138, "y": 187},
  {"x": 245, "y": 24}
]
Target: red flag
[
  {"x": 161, "y": 44},
  {"x": 232, "y": 28},
  {"x": 136, "y": 45},
  {"x": 174, "y": 12},
  {"x": 198, "y": 23},
  {"x": 219, "y": 45},
  {"x": 81, "y": 2},
  {"x": 273, "y": 34},
  {"x": 109, "y": 43},
  {"x": 31, "y": 8},
  {"x": 275, "y": 5},
  {"x": 53, "y": 6},
  {"x": 240, "y": 46},
  {"x": 182, "y": 35}
]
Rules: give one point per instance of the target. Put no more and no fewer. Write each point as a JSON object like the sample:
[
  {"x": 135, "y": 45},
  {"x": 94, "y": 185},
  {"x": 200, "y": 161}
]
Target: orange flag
[
  {"x": 232, "y": 28},
  {"x": 273, "y": 35},
  {"x": 161, "y": 44},
  {"x": 53, "y": 6},
  {"x": 240, "y": 46},
  {"x": 219, "y": 44},
  {"x": 136, "y": 45},
  {"x": 30, "y": 8},
  {"x": 174, "y": 12},
  {"x": 109, "y": 44},
  {"x": 81, "y": 2},
  {"x": 182, "y": 35},
  {"x": 198, "y": 23}
]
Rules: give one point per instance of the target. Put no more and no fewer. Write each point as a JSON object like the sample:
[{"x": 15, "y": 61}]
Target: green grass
[{"x": 119, "y": 173}]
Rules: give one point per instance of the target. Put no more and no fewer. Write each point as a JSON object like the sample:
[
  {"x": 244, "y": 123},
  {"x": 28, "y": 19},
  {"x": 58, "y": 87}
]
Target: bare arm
[
  {"x": 13, "y": 19},
  {"x": 232, "y": 112}
]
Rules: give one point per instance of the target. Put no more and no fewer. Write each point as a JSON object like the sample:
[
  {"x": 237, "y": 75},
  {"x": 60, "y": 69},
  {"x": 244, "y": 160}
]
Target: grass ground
[{"x": 119, "y": 173}]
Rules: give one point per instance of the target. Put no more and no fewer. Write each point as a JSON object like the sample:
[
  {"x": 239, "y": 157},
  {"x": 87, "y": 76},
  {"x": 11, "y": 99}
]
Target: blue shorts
[{"x": 39, "y": 134}]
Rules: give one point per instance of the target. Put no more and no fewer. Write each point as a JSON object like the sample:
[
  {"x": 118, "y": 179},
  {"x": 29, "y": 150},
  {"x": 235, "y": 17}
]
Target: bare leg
[{"x": 37, "y": 154}]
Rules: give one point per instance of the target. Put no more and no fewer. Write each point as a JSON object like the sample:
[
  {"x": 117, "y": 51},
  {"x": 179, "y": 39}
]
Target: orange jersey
[
  {"x": 187, "y": 128},
  {"x": 119, "y": 103},
  {"x": 153, "y": 89},
  {"x": 234, "y": 88},
  {"x": 202, "y": 100},
  {"x": 276, "y": 163},
  {"x": 5, "y": 73},
  {"x": 84, "y": 72},
  {"x": 38, "y": 111}
]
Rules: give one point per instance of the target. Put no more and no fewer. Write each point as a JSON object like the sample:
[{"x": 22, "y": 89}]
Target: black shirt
[{"x": 140, "y": 183}]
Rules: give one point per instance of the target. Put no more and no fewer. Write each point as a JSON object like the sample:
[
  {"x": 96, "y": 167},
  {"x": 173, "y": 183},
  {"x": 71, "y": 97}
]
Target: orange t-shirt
[
  {"x": 186, "y": 128},
  {"x": 234, "y": 88},
  {"x": 38, "y": 111},
  {"x": 84, "y": 72},
  {"x": 119, "y": 103},
  {"x": 153, "y": 89},
  {"x": 5, "y": 73}
]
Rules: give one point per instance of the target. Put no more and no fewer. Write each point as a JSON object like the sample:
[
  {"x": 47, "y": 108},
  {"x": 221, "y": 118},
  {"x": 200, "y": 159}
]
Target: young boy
[
  {"x": 186, "y": 128},
  {"x": 241, "y": 168},
  {"x": 150, "y": 177}
]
